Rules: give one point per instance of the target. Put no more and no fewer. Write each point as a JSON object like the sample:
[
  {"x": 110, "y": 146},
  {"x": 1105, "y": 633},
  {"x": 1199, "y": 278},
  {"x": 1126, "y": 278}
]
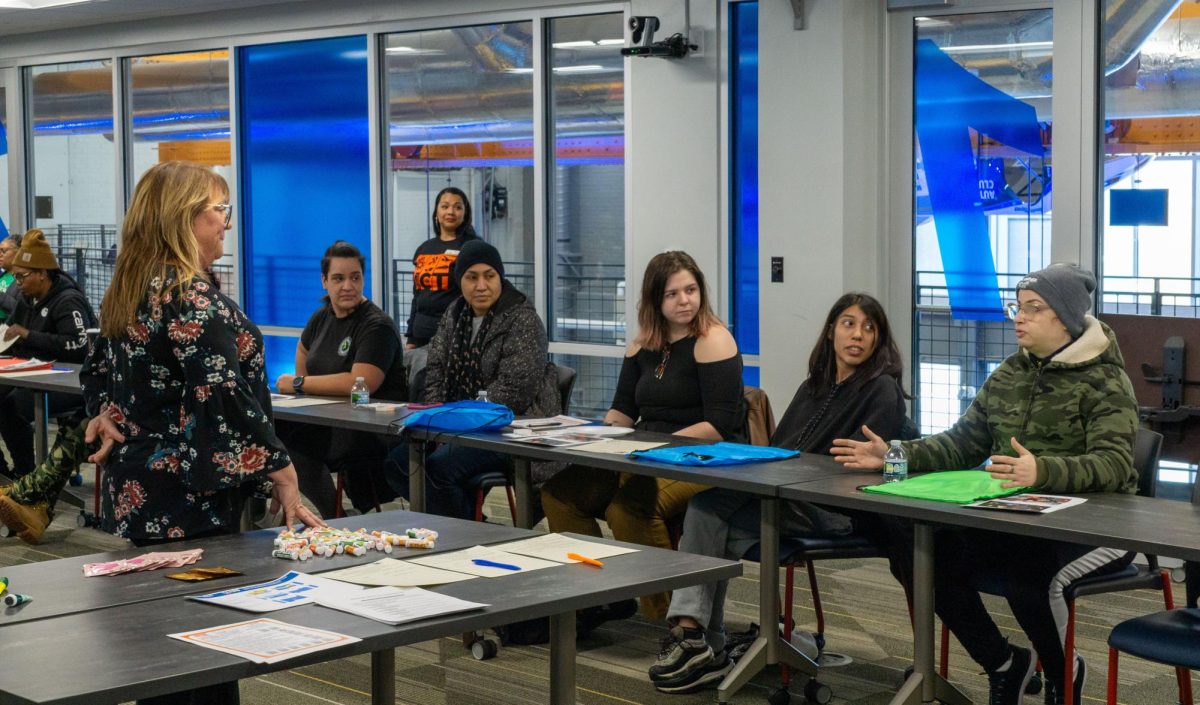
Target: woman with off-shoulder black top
[{"x": 681, "y": 375}]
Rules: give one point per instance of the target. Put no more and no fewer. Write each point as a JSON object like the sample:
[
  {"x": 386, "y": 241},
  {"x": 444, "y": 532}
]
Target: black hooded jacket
[{"x": 57, "y": 323}]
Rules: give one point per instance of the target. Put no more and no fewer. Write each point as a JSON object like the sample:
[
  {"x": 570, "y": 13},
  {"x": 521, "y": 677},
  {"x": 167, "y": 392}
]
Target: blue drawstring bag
[
  {"x": 460, "y": 417},
  {"x": 715, "y": 454}
]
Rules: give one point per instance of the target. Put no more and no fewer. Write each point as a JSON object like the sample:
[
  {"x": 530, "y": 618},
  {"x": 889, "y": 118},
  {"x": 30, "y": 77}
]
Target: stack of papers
[
  {"x": 288, "y": 590},
  {"x": 392, "y": 605},
  {"x": 265, "y": 640},
  {"x": 559, "y": 421},
  {"x": 149, "y": 561},
  {"x": 555, "y": 547},
  {"x": 389, "y": 571},
  {"x": 486, "y": 562},
  {"x": 1029, "y": 503}
]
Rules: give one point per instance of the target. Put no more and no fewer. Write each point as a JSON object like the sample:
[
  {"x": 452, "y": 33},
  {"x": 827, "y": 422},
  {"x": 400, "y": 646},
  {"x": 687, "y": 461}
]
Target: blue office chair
[{"x": 1168, "y": 637}]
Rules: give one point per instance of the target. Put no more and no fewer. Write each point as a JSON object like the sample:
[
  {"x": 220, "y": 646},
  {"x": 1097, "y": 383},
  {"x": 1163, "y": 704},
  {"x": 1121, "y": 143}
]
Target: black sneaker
[
  {"x": 1054, "y": 690},
  {"x": 706, "y": 675},
  {"x": 737, "y": 643},
  {"x": 1007, "y": 687},
  {"x": 682, "y": 650}
]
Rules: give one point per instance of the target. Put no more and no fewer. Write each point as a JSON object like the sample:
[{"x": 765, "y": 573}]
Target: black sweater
[
  {"x": 688, "y": 392},
  {"x": 878, "y": 403}
]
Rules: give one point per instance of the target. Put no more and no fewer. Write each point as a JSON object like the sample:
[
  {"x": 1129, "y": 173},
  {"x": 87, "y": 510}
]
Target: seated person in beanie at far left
[
  {"x": 49, "y": 323},
  {"x": 490, "y": 340},
  {"x": 347, "y": 337}
]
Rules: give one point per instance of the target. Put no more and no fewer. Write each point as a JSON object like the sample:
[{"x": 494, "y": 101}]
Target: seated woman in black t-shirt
[
  {"x": 346, "y": 338},
  {"x": 681, "y": 375}
]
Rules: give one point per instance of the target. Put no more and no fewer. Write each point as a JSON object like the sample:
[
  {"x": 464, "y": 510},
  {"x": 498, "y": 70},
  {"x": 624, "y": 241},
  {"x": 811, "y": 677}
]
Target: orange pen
[{"x": 584, "y": 559}]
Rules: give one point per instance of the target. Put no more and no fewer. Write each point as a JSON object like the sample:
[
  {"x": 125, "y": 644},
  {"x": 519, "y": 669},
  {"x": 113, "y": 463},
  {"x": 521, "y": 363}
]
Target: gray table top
[
  {"x": 122, "y": 653},
  {"x": 340, "y": 415},
  {"x": 1144, "y": 524},
  {"x": 762, "y": 479},
  {"x": 65, "y": 382},
  {"x": 59, "y": 587}
]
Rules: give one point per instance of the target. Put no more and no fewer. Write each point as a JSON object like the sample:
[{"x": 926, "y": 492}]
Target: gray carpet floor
[{"x": 865, "y": 620}]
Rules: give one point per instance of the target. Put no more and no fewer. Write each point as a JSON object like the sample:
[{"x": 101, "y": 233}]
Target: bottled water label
[
  {"x": 360, "y": 398},
  {"x": 895, "y": 470}
]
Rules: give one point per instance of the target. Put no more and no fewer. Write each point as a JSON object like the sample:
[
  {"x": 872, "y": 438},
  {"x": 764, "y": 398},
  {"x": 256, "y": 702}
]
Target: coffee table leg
[
  {"x": 562, "y": 659},
  {"x": 769, "y": 648},
  {"x": 383, "y": 677},
  {"x": 41, "y": 426},
  {"x": 523, "y": 487},
  {"x": 925, "y": 685},
  {"x": 416, "y": 476}
]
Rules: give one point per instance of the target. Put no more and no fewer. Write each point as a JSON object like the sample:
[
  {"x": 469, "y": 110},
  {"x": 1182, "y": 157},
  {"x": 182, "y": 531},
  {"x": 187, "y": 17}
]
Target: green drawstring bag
[{"x": 958, "y": 486}]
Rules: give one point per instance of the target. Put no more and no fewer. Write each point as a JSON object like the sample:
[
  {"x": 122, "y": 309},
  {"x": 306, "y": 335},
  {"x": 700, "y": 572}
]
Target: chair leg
[
  {"x": 816, "y": 593},
  {"x": 1112, "y": 676},
  {"x": 479, "y": 496},
  {"x": 338, "y": 512},
  {"x": 789, "y": 596},
  {"x": 1069, "y": 657},
  {"x": 96, "y": 490},
  {"x": 512, "y": 503},
  {"x": 1182, "y": 676},
  {"x": 944, "y": 653}
]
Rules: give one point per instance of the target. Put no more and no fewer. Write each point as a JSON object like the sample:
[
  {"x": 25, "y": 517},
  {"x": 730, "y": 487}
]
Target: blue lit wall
[
  {"x": 743, "y": 167},
  {"x": 305, "y": 176}
]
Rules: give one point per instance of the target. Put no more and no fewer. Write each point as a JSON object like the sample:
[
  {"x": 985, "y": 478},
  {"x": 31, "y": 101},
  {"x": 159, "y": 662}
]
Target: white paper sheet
[
  {"x": 32, "y": 373},
  {"x": 288, "y": 590},
  {"x": 555, "y": 547},
  {"x": 461, "y": 561},
  {"x": 389, "y": 571},
  {"x": 288, "y": 401},
  {"x": 392, "y": 605},
  {"x": 559, "y": 421},
  {"x": 596, "y": 432},
  {"x": 1028, "y": 502},
  {"x": 265, "y": 640},
  {"x": 6, "y": 344},
  {"x": 616, "y": 446}
]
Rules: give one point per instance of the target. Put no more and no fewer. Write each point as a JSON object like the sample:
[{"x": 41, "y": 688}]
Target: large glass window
[
  {"x": 586, "y": 197},
  {"x": 73, "y": 193},
  {"x": 305, "y": 175},
  {"x": 460, "y": 113},
  {"x": 1151, "y": 142},
  {"x": 5, "y": 213},
  {"x": 982, "y": 107},
  {"x": 743, "y": 171},
  {"x": 179, "y": 109}
]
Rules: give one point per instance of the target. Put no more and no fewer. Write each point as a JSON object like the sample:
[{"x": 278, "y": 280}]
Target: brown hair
[
  {"x": 654, "y": 331},
  {"x": 156, "y": 236}
]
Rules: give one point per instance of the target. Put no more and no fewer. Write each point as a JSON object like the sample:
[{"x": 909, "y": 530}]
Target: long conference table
[
  {"x": 1163, "y": 527},
  {"x": 105, "y": 638}
]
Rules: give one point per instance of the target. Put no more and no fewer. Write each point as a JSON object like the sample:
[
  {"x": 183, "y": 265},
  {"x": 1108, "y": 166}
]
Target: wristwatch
[{"x": 298, "y": 384}]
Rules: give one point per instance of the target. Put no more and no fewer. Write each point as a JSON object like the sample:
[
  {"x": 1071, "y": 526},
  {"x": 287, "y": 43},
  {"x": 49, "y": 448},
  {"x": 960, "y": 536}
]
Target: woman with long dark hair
[
  {"x": 854, "y": 374},
  {"x": 434, "y": 286}
]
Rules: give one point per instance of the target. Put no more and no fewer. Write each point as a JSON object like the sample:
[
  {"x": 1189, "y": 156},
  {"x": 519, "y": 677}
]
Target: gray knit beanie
[{"x": 1065, "y": 288}]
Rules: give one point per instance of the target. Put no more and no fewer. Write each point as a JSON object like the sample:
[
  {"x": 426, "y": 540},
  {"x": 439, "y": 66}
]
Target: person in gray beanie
[{"x": 1067, "y": 290}]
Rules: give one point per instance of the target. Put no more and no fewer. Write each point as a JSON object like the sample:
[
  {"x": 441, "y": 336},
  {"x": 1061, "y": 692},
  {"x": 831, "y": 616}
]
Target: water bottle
[
  {"x": 895, "y": 463},
  {"x": 360, "y": 396},
  {"x": 482, "y": 396}
]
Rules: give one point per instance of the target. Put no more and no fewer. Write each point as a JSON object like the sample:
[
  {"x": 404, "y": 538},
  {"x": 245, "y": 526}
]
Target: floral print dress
[{"x": 187, "y": 386}]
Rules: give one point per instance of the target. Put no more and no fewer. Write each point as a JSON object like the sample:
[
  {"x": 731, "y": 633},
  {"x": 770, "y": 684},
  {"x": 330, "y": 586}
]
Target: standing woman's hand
[
  {"x": 103, "y": 429},
  {"x": 286, "y": 494}
]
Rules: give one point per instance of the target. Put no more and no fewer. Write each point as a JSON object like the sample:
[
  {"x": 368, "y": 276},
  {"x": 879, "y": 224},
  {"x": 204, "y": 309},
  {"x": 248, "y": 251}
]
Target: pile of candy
[{"x": 302, "y": 545}]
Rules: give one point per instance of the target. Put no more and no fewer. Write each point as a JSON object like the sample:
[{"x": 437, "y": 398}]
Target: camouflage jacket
[{"x": 1075, "y": 413}]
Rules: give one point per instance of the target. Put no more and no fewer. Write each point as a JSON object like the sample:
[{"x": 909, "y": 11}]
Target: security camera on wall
[{"x": 641, "y": 36}]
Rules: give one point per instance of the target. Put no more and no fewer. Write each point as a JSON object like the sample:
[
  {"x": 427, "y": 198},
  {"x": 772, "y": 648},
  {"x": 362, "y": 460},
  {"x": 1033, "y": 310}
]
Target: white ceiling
[{"x": 100, "y": 12}]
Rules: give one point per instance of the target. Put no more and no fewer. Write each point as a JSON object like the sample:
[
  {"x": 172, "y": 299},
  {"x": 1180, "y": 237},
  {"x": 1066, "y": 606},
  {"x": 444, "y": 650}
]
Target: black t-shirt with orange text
[{"x": 434, "y": 289}]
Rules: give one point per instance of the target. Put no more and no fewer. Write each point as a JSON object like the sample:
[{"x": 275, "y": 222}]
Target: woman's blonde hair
[
  {"x": 157, "y": 236},
  {"x": 654, "y": 330}
]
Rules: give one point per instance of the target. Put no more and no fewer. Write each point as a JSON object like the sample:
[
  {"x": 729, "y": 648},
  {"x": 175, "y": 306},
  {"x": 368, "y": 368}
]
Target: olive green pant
[{"x": 48, "y": 478}]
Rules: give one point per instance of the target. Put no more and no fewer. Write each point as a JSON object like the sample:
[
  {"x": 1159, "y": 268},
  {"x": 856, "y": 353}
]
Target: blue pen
[{"x": 493, "y": 564}]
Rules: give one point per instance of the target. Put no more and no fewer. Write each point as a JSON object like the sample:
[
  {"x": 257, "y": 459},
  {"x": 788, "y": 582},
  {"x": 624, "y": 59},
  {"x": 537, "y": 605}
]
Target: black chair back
[
  {"x": 566, "y": 382},
  {"x": 1147, "y": 446}
]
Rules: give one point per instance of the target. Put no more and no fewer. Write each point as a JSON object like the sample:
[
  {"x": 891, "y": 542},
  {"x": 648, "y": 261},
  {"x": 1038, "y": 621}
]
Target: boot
[{"x": 27, "y": 521}]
